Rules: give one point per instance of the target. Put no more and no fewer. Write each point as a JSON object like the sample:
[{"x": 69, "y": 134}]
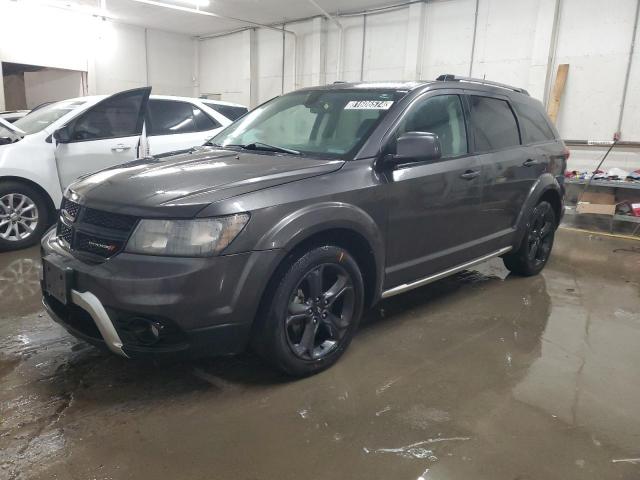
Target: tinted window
[
  {"x": 443, "y": 116},
  {"x": 229, "y": 111},
  {"x": 115, "y": 117},
  {"x": 493, "y": 123},
  {"x": 203, "y": 121},
  {"x": 168, "y": 117},
  {"x": 533, "y": 123}
]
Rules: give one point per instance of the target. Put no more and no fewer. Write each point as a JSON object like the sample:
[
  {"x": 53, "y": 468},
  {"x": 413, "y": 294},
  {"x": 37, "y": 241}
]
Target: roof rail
[{"x": 455, "y": 78}]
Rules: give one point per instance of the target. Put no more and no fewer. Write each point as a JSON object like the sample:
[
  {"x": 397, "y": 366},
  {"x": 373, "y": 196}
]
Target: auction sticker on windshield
[{"x": 369, "y": 105}]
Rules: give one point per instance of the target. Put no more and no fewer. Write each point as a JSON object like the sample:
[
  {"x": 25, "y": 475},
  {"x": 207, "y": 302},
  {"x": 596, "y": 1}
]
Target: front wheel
[
  {"x": 313, "y": 313},
  {"x": 535, "y": 249},
  {"x": 24, "y": 216}
]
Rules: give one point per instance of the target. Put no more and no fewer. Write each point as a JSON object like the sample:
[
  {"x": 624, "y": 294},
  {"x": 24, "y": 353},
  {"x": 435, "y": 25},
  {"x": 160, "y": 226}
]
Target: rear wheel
[
  {"x": 24, "y": 215},
  {"x": 533, "y": 253},
  {"x": 313, "y": 313}
]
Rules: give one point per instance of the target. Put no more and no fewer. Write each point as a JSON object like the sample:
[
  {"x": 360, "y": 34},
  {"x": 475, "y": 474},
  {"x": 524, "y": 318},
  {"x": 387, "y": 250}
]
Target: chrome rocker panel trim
[{"x": 445, "y": 273}]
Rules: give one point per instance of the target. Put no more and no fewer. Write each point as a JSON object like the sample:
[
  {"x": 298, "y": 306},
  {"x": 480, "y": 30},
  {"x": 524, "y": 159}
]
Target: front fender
[
  {"x": 546, "y": 182},
  {"x": 311, "y": 220}
]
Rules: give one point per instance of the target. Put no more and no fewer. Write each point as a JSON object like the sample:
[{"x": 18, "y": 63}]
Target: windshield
[
  {"x": 45, "y": 116},
  {"x": 331, "y": 123}
]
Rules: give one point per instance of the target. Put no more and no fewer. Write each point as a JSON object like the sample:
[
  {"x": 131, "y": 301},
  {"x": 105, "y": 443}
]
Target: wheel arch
[
  {"x": 546, "y": 188},
  {"x": 50, "y": 204},
  {"x": 334, "y": 223}
]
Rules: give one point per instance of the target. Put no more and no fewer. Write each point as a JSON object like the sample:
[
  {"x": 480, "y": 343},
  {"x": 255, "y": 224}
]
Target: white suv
[{"x": 43, "y": 152}]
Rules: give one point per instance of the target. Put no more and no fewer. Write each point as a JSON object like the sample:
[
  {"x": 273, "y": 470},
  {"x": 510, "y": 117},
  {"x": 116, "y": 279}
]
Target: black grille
[
  {"x": 65, "y": 232},
  {"x": 94, "y": 232},
  {"x": 114, "y": 221},
  {"x": 72, "y": 208}
]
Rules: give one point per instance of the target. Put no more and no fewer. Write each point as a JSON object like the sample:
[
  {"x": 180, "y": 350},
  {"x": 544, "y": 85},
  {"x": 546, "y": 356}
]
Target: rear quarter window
[
  {"x": 229, "y": 111},
  {"x": 493, "y": 124},
  {"x": 534, "y": 124}
]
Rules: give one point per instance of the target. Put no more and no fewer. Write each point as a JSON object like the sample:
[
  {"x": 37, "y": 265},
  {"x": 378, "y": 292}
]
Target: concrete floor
[{"x": 480, "y": 376}]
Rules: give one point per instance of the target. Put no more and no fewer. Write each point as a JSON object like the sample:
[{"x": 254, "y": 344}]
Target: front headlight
[{"x": 200, "y": 237}]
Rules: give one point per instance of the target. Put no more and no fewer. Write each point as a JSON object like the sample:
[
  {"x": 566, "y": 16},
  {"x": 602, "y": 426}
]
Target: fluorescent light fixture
[
  {"x": 195, "y": 3},
  {"x": 173, "y": 6},
  {"x": 76, "y": 7}
]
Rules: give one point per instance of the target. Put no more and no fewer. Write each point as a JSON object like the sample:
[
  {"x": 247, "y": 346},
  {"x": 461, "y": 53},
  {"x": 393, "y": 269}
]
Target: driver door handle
[
  {"x": 470, "y": 174},
  {"x": 530, "y": 162},
  {"x": 120, "y": 148}
]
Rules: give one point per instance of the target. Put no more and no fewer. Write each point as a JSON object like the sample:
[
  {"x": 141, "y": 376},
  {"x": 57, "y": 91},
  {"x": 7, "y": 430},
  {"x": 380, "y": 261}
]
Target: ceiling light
[
  {"x": 173, "y": 6},
  {"x": 195, "y": 3}
]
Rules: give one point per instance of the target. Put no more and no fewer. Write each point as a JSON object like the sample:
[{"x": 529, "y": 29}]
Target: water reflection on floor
[{"x": 479, "y": 376}]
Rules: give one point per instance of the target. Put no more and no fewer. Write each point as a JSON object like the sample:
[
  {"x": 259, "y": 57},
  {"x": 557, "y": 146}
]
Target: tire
[
  {"x": 534, "y": 251},
  {"x": 291, "y": 313},
  {"x": 24, "y": 215}
]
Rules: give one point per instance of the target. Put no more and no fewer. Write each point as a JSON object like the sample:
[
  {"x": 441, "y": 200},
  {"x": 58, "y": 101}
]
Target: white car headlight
[{"x": 201, "y": 237}]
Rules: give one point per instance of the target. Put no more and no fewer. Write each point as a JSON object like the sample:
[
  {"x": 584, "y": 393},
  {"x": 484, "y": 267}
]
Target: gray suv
[{"x": 284, "y": 227}]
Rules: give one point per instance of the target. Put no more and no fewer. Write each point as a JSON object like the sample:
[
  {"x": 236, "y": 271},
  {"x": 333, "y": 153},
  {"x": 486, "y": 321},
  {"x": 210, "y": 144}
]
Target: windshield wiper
[{"x": 268, "y": 148}]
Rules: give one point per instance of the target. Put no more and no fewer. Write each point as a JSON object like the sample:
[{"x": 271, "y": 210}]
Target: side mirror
[
  {"x": 416, "y": 147},
  {"x": 62, "y": 135}
]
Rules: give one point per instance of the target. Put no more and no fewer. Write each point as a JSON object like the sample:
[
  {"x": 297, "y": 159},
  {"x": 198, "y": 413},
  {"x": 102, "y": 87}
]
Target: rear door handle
[
  {"x": 530, "y": 162},
  {"x": 120, "y": 148},
  {"x": 470, "y": 174}
]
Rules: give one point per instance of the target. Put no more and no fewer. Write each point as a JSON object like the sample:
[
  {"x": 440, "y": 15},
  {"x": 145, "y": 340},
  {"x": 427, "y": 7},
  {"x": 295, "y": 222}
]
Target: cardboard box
[
  {"x": 596, "y": 202},
  {"x": 603, "y": 198},
  {"x": 598, "y": 208}
]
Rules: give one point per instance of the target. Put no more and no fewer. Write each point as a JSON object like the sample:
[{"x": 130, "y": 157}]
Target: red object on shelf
[{"x": 635, "y": 208}]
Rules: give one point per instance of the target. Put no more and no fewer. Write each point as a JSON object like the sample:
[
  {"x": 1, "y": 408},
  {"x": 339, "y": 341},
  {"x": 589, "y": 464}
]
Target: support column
[
  {"x": 2, "y": 103},
  {"x": 543, "y": 50},
  {"x": 415, "y": 41},
  {"x": 319, "y": 51},
  {"x": 254, "y": 96}
]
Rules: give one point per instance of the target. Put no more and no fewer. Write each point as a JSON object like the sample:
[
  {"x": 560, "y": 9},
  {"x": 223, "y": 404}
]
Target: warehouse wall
[
  {"x": 513, "y": 43},
  {"x": 48, "y": 85},
  {"x": 115, "y": 55}
]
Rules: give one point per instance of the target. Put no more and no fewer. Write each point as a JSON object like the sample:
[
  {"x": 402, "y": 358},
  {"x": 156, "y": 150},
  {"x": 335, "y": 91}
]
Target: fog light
[{"x": 145, "y": 330}]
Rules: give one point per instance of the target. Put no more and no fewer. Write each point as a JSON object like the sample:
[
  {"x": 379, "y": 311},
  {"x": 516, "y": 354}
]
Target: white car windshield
[{"x": 45, "y": 116}]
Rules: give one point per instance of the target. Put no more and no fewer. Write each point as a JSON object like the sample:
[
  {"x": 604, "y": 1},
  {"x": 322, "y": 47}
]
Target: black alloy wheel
[
  {"x": 321, "y": 307},
  {"x": 310, "y": 311},
  {"x": 535, "y": 249}
]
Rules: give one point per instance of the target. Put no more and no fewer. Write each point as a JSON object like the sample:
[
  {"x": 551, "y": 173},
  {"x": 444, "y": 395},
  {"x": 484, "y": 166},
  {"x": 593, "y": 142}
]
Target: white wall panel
[
  {"x": 48, "y": 37},
  {"x": 120, "y": 58},
  {"x": 447, "y": 38},
  {"x": 594, "y": 39},
  {"x": 386, "y": 42},
  {"x": 114, "y": 54},
  {"x": 225, "y": 67},
  {"x": 268, "y": 45},
  {"x": 504, "y": 40},
  {"x": 51, "y": 84},
  {"x": 351, "y": 49},
  {"x": 171, "y": 63},
  {"x": 631, "y": 120}
]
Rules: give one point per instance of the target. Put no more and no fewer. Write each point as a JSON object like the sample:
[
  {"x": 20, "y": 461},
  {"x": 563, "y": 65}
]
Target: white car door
[
  {"x": 177, "y": 125},
  {"x": 104, "y": 135}
]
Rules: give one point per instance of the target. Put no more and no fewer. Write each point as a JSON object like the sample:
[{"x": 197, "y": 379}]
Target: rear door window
[
  {"x": 493, "y": 123},
  {"x": 170, "y": 117},
  {"x": 535, "y": 128}
]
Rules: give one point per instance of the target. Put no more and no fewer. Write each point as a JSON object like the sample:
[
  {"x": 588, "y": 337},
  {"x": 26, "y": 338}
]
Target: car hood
[{"x": 181, "y": 184}]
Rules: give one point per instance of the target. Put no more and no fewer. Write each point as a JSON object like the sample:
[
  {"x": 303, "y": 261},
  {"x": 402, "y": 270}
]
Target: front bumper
[{"x": 199, "y": 306}]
